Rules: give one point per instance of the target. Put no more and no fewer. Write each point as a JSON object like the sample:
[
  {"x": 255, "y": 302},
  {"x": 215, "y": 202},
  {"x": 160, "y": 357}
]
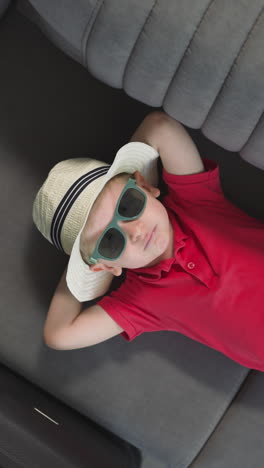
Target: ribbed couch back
[{"x": 201, "y": 61}]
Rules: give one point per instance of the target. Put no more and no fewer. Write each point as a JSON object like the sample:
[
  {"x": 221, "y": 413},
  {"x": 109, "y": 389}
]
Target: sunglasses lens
[
  {"x": 111, "y": 244},
  {"x": 131, "y": 204}
]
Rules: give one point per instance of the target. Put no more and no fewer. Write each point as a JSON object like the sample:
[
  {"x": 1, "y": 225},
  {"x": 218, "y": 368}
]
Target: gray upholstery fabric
[
  {"x": 239, "y": 436},
  {"x": 3, "y": 6},
  {"x": 163, "y": 392},
  {"x": 201, "y": 61}
]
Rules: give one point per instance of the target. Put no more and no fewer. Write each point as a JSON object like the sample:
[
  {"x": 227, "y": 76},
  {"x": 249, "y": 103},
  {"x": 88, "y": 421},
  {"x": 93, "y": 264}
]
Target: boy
[{"x": 194, "y": 261}]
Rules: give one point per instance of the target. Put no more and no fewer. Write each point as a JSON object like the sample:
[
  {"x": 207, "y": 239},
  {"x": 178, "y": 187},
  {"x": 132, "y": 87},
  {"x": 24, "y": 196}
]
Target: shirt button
[{"x": 191, "y": 265}]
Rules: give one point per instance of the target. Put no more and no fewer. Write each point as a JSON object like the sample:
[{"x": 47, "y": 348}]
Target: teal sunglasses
[{"x": 112, "y": 242}]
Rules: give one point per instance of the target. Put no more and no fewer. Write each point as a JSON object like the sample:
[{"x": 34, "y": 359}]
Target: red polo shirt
[{"x": 212, "y": 290}]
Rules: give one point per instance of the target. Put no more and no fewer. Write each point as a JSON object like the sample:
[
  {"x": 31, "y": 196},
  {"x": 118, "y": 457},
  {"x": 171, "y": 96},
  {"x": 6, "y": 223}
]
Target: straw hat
[{"x": 64, "y": 201}]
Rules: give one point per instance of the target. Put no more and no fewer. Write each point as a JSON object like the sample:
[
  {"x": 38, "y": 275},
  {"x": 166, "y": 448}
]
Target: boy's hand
[{"x": 177, "y": 151}]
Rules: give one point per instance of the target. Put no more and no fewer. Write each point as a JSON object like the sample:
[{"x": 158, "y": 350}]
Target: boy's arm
[
  {"x": 177, "y": 151},
  {"x": 66, "y": 327},
  {"x": 63, "y": 309}
]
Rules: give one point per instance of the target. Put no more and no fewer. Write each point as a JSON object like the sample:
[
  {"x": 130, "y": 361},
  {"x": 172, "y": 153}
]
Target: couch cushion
[
  {"x": 173, "y": 54},
  {"x": 238, "y": 440}
]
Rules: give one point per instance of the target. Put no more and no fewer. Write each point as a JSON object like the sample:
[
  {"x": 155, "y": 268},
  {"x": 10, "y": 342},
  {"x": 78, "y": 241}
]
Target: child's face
[{"x": 137, "y": 253}]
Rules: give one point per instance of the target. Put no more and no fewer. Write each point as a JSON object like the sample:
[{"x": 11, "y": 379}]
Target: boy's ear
[
  {"x": 115, "y": 270},
  {"x": 142, "y": 182}
]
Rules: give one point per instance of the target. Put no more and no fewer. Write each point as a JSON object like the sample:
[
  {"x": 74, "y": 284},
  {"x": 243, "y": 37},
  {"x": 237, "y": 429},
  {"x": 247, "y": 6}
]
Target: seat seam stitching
[
  {"x": 85, "y": 39},
  {"x": 234, "y": 65},
  {"x": 136, "y": 41},
  {"x": 203, "y": 17},
  {"x": 253, "y": 131}
]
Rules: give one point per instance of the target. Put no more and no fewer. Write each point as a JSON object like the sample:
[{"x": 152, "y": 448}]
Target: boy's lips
[{"x": 150, "y": 237}]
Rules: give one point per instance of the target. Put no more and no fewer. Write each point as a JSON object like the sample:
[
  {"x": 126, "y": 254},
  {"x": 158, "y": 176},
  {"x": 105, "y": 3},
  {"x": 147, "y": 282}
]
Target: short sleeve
[
  {"x": 201, "y": 186},
  {"x": 119, "y": 311}
]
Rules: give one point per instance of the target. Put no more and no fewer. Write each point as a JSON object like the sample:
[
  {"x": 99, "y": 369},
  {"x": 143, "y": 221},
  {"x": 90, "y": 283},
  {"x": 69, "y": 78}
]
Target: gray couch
[{"x": 77, "y": 77}]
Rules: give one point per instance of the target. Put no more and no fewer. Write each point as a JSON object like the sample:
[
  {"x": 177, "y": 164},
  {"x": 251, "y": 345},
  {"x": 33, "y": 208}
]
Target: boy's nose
[{"x": 135, "y": 230}]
